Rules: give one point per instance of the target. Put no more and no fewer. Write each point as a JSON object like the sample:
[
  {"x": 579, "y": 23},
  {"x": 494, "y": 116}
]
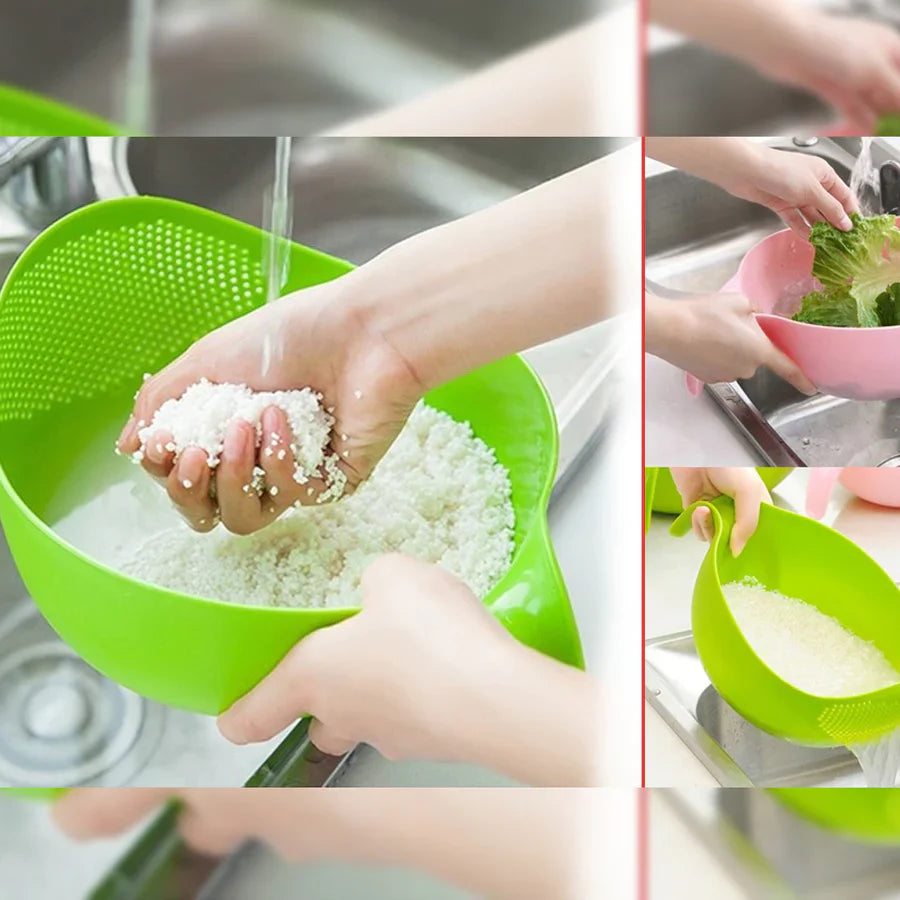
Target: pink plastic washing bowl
[
  {"x": 880, "y": 486},
  {"x": 856, "y": 363}
]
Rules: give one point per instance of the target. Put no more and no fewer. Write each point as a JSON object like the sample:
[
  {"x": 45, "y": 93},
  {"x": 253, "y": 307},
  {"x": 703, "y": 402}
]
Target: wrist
[
  {"x": 734, "y": 164},
  {"x": 667, "y": 323},
  {"x": 476, "y": 731},
  {"x": 520, "y": 688},
  {"x": 769, "y": 35},
  {"x": 789, "y": 45},
  {"x": 391, "y": 310},
  {"x": 350, "y": 318}
]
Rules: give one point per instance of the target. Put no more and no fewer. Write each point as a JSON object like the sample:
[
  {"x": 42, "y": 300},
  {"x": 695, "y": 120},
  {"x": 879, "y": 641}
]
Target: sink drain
[{"x": 61, "y": 722}]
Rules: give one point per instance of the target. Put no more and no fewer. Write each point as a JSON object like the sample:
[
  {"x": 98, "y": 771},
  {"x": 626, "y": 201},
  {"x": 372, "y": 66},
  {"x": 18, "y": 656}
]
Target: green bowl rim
[
  {"x": 540, "y": 526},
  {"x": 91, "y": 124},
  {"x": 880, "y": 694}
]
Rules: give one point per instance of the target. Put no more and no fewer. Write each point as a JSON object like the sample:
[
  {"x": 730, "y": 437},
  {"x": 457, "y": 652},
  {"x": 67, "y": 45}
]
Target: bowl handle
[{"x": 722, "y": 509}]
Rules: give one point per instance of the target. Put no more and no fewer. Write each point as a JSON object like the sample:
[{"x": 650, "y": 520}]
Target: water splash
[
  {"x": 278, "y": 225},
  {"x": 864, "y": 180},
  {"x": 137, "y": 107},
  {"x": 880, "y": 760}
]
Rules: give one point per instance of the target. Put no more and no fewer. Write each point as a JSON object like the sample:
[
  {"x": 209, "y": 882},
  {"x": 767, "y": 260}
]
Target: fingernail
[
  {"x": 846, "y": 224},
  {"x": 127, "y": 431},
  {"x": 237, "y": 441},
  {"x": 156, "y": 451},
  {"x": 190, "y": 470},
  {"x": 737, "y": 546},
  {"x": 270, "y": 420},
  {"x": 228, "y": 728}
]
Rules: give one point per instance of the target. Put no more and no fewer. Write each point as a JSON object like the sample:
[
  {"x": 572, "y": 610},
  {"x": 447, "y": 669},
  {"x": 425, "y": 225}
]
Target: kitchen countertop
[
  {"x": 682, "y": 430},
  {"x": 672, "y": 564}
]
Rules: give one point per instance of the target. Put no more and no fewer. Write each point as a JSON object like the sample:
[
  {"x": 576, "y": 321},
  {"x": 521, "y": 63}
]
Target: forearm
[
  {"x": 535, "y": 720},
  {"x": 553, "y": 88},
  {"x": 721, "y": 160},
  {"x": 546, "y": 262},
  {"x": 513, "y": 843},
  {"x": 663, "y": 326},
  {"x": 752, "y": 30}
]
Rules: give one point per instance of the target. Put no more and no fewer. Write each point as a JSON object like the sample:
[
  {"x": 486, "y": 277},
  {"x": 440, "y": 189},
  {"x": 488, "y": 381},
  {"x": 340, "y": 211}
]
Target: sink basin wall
[
  {"x": 353, "y": 198},
  {"x": 267, "y": 66},
  {"x": 476, "y": 29},
  {"x": 694, "y": 91}
]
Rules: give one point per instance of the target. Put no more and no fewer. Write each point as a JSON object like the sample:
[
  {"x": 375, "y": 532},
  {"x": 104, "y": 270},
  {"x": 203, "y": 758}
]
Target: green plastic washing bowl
[
  {"x": 24, "y": 113},
  {"x": 800, "y": 558},
  {"x": 666, "y": 498},
  {"x": 870, "y": 815},
  {"x": 33, "y": 793},
  {"x": 120, "y": 288}
]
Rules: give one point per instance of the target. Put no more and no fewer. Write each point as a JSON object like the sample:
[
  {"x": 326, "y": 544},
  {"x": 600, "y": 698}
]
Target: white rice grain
[
  {"x": 439, "y": 494},
  {"x": 201, "y": 416},
  {"x": 805, "y": 647}
]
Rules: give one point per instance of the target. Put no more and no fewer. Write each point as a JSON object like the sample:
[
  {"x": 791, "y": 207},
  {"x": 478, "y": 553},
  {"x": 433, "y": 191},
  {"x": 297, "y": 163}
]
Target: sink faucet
[{"x": 43, "y": 178}]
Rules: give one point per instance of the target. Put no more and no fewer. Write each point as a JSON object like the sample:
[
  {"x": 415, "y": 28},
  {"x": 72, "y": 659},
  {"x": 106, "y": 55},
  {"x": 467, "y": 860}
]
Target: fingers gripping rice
[
  {"x": 202, "y": 414},
  {"x": 439, "y": 494}
]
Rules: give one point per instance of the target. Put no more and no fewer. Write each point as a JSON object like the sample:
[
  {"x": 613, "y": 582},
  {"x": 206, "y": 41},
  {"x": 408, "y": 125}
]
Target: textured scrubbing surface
[
  {"x": 81, "y": 312},
  {"x": 23, "y": 113},
  {"x": 856, "y": 721}
]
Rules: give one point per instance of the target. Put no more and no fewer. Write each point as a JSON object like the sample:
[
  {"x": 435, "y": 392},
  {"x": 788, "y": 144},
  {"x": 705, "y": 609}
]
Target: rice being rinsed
[
  {"x": 804, "y": 646},
  {"x": 202, "y": 414},
  {"x": 439, "y": 494}
]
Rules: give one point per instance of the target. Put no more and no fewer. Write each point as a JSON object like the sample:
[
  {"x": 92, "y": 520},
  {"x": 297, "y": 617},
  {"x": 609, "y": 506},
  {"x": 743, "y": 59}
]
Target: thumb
[
  {"x": 281, "y": 698},
  {"x": 388, "y": 581},
  {"x": 85, "y": 813},
  {"x": 783, "y": 366}
]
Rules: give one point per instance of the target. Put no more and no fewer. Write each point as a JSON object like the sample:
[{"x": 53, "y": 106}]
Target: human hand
[
  {"x": 394, "y": 676},
  {"x": 744, "y": 486},
  {"x": 716, "y": 338},
  {"x": 801, "y": 190},
  {"x": 533, "y": 835},
  {"x": 214, "y": 821},
  {"x": 325, "y": 343},
  {"x": 850, "y": 62}
]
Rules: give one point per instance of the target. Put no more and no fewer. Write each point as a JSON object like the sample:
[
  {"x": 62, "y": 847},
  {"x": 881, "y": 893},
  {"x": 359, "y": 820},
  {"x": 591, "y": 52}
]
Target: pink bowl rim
[{"x": 736, "y": 280}]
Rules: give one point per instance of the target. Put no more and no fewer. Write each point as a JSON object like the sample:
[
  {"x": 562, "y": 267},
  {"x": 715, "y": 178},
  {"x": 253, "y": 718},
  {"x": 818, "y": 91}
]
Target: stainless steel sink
[
  {"x": 735, "y": 752},
  {"x": 353, "y": 197},
  {"x": 267, "y": 66},
  {"x": 735, "y": 98},
  {"x": 772, "y": 852},
  {"x": 696, "y": 238}
]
